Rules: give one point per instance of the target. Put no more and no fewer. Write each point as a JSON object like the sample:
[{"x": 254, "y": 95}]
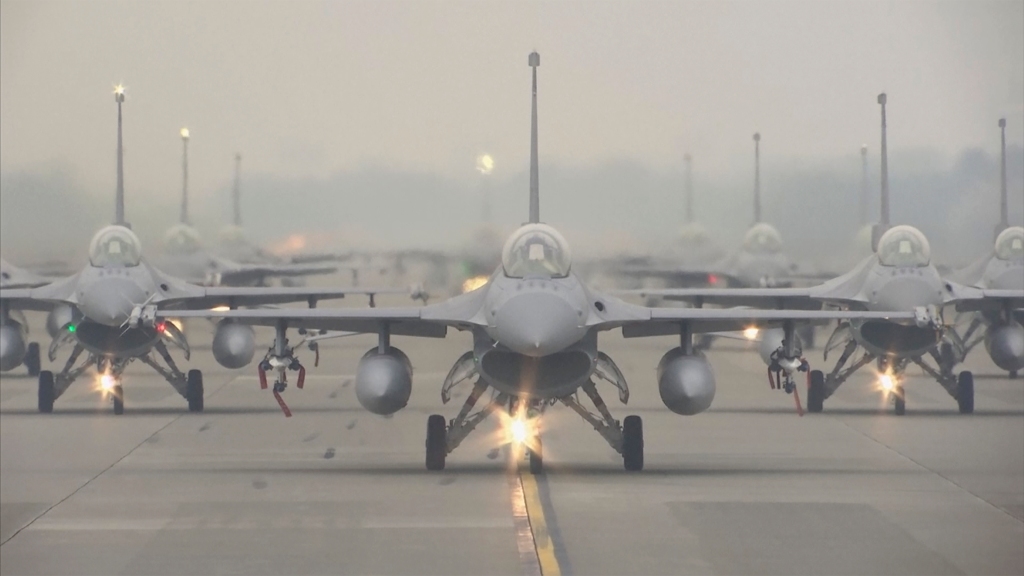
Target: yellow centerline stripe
[
  {"x": 524, "y": 534},
  {"x": 541, "y": 538}
]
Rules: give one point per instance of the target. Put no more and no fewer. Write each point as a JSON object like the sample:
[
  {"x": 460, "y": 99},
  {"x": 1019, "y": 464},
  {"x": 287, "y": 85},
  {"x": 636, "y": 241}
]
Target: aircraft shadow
[
  {"x": 552, "y": 470},
  {"x": 932, "y": 412},
  {"x": 167, "y": 411}
]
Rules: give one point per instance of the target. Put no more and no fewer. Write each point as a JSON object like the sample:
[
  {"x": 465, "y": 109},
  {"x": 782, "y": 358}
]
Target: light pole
[{"x": 757, "y": 177}]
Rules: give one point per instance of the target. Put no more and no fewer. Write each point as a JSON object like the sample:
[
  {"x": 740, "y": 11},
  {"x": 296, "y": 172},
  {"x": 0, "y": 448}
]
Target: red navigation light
[
  {"x": 713, "y": 279},
  {"x": 160, "y": 327}
]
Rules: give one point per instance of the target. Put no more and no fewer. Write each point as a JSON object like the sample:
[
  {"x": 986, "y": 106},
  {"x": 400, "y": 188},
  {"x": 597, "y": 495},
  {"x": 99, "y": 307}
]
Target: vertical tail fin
[
  {"x": 688, "y": 164},
  {"x": 757, "y": 177},
  {"x": 534, "y": 170},
  {"x": 881, "y": 227},
  {"x": 236, "y": 193},
  {"x": 119, "y": 194},
  {"x": 1004, "y": 208},
  {"x": 864, "y": 185},
  {"x": 184, "y": 175}
]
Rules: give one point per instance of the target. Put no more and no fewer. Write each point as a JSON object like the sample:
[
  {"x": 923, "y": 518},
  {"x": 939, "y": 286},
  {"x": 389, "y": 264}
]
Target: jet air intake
[{"x": 384, "y": 381}]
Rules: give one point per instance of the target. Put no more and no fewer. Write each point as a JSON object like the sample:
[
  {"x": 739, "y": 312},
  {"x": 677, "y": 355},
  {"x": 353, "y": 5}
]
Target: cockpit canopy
[
  {"x": 232, "y": 234},
  {"x": 693, "y": 234},
  {"x": 762, "y": 238},
  {"x": 536, "y": 250},
  {"x": 1010, "y": 244},
  {"x": 904, "y": 246},
  {"x": 182, "y": 239},
  {"x": 115, "y": 247}
]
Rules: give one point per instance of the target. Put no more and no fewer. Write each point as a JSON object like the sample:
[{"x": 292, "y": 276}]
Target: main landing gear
[
  {"x": 821, "y": 386},
  {"x": 53, "y": 386},
  {"x": 522, "y": 415}
]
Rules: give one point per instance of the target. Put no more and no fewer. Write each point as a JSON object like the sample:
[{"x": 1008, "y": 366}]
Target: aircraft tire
[
  {"x": 33, "y": 363},
  {"x": 194, "y": 390},
  {"x": 633, "y": 443},
  {"x": 437, "y": 442},
  {"x": 965, "y": 392},
  {"x": 118, "y": 393},
  {"x": 46, "y": 392},
  {"x": 816, "y": 392},
  {"x": 537, "y": 457},
  {"x": 901, "y": 400}
]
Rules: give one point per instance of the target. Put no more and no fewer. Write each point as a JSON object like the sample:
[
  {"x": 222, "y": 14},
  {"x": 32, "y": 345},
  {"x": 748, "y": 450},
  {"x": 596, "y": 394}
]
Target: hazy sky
[{"x": 307, "y": 89}]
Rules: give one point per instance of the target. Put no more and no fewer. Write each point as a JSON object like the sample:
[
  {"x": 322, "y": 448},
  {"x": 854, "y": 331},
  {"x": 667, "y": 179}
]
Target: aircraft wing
[
  {"x": 252, "y": 273},
  {"x": 42, "y": 298},
  {"x": 987, "y": 299},
  {"x": 769, "y": 298},
  {"x": 233, "y": 297},
  {"x": 636, "y": 321},
  {"x": 430, "y": 321}
]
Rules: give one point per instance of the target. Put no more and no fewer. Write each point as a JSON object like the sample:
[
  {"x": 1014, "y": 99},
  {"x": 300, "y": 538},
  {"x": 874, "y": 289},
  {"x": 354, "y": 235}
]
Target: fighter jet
[
  {"x": 234, "y": 245},
  {"x": 94, "y": 311},
  {"x": 899, "y": 276},
  {"x": 1002, "y": 268},
  {"x": 21, "y": 351},
  {"x": 535, "y": 330},
  {"x": 185, "y": 256}
]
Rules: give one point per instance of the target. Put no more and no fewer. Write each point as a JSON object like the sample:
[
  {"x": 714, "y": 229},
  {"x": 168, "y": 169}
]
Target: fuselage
[{"x": 536, "y": 341}]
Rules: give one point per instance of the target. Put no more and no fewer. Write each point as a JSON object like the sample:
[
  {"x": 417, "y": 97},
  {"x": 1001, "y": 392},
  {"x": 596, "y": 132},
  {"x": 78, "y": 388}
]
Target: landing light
[
  {"x": 887, "y": 382},
  {"x": 473, "y": 283},
  {"x": 220, "y": 308},
  {"x": 107, "y": 382},
  {"x": 518, "y": 430},
  {"x": 751, "y": 333}
]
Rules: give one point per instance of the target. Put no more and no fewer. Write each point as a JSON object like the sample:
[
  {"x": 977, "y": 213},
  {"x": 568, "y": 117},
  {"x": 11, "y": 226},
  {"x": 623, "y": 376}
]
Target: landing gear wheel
[
  {"x": 118, "y": 393},
  {"x": 194, "y": 391},
  {"x": 816, "y": 392},
  {"x": 46, "y": 392},
  {"x": 965, "y": 392},
  {"x": 633, "y": 443},
  {"x": 536, "y": 453},
  {"x": 437, "y": 442},
  {"x": 1013, "y": 373},
  {"x": 32, "y": 361},
  {"x": 947, "y": 355},
  {"x": 900, "y": 398}
]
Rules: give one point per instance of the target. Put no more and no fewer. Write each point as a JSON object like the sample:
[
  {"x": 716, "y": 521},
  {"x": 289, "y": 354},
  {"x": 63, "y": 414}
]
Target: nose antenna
[
  {"x": 757, "y": 177},
  {"x": 688, "y": 191},
  {"x": 1004, "y": 219},
  {"x": 534, "y": 169},
  {"x": 882, "y": 226},
  {"x": 119, "y": 193},
  {"x": 184, "y": 175}
]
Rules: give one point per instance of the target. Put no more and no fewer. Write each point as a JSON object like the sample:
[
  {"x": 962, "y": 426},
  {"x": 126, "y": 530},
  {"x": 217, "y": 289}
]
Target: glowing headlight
[
  {"x": 887, "y": 382},
  {"x": 107, "y": 382}
]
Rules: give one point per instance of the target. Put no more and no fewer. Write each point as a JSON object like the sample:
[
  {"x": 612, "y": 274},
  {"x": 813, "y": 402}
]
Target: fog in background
[{"x": 359, "y": 122}]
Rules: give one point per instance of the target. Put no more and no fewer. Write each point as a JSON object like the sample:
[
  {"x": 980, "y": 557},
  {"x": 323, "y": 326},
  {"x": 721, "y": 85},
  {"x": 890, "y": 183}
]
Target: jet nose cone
[
  {"x": 110, "y": 301},
  {"x": 537, "y": 324}
]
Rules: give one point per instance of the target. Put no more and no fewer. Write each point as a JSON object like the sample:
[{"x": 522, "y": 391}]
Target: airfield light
[
  {"x": 519, "y": 431},
  {"x": 751, "y": 333},
  {"x": 184, "y": 133},
  {"x": 485, "y": 164},
  {"x": 473, "y": 283}
]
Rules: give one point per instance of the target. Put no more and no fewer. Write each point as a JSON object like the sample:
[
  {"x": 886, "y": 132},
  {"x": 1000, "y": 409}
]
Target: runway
[{"x": 745, "y": 488}]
